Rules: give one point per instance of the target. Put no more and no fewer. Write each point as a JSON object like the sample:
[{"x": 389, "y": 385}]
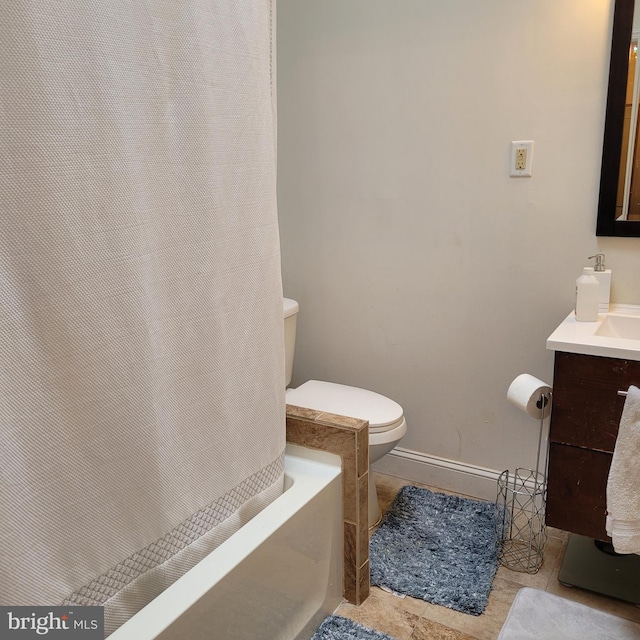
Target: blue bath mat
[
  {"x": 438, "y": 548},
  {"x": 338, "y": 628}
]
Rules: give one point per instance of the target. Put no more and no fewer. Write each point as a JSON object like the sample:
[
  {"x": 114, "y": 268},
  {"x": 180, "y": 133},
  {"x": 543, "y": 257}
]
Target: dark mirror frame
[{"x": 613, "y": 126}]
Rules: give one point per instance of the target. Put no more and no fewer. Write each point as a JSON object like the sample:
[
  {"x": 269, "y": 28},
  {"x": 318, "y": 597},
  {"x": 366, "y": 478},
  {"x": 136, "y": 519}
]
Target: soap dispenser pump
[
  {"x": 599, "y": 265},
  {"x": 587, "y": 296},
  {"x": 603, "y": 275}
]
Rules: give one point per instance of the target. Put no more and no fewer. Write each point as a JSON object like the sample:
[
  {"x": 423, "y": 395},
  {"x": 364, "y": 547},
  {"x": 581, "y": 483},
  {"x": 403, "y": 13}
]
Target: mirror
[{"x": 619, "y": 204}]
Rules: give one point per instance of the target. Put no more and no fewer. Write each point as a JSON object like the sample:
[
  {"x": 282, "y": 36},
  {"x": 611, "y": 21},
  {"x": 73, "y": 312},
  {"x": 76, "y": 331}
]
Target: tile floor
[{"x": 412, "y": 619}]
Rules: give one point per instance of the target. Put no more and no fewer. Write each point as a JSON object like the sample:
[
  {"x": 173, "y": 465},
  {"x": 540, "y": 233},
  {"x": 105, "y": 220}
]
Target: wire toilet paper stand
[{"x": 521, "y": 532}]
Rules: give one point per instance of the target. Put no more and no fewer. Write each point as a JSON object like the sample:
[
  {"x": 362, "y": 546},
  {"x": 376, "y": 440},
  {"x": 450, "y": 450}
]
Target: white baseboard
[{"x": 451, "y": 475}]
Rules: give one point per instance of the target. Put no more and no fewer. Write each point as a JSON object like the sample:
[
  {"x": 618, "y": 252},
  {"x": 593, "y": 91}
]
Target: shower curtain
[{"x": 141, "y": 347}]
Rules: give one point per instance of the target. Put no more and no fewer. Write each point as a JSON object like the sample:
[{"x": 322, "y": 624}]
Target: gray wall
[{"x": 425, "y": 272}]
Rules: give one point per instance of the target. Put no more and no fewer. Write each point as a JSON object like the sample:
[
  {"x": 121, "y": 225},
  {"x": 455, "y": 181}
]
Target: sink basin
[
  {"x": 614, "y": 335},
  {"x": 617, "y": 326}
]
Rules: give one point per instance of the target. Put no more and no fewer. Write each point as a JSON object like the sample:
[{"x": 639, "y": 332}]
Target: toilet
[{"x": 387, "y": 424}]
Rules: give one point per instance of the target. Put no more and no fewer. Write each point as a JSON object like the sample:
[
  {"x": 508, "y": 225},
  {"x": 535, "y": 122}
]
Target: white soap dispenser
[
  {"x": 603, "y": 275},
  {"x": 587, "y": 296}
]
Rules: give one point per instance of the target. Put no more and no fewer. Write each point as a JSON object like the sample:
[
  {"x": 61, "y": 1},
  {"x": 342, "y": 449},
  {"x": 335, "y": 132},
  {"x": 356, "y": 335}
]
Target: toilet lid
[{"x": 381, "y": 412}]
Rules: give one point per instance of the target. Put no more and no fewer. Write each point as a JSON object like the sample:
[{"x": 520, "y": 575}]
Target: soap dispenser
[
  {"x": 587, "y": 296},
  {"x": 603, "y": 276}
]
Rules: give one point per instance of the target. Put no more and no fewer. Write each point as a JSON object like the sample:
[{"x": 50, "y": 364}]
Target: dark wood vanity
[{"x": 584, "y": 426}]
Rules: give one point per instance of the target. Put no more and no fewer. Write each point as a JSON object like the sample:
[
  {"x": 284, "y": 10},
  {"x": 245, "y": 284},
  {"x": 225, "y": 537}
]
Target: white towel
[{"x": 623, "y": 487}]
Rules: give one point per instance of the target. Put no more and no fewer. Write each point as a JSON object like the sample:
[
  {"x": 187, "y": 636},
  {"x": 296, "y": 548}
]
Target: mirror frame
[{"x": 607, "y": 225}]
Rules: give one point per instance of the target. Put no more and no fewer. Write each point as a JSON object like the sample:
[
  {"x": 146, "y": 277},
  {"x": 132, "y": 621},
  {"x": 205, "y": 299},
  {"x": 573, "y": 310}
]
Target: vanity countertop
[{"x": 614, "y": 335}]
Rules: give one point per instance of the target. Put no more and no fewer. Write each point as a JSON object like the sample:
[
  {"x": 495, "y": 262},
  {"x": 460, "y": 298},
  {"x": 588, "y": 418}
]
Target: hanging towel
[{"x": 623, "y": 487}]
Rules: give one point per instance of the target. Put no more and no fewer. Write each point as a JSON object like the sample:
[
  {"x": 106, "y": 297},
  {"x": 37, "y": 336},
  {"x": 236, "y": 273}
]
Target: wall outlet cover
[{"x": 521, "y": 158}]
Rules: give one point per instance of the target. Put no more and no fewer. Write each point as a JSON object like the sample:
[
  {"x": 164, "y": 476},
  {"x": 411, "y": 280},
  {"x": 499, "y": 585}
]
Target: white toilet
[{"x": 386, "y": 420}]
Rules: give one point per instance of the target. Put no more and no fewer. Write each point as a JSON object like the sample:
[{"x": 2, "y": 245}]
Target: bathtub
[{"x": 274, "y": 579}]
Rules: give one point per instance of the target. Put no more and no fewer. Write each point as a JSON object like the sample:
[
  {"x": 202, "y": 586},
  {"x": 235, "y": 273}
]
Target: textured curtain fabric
[{"x": 141, "y": 348}]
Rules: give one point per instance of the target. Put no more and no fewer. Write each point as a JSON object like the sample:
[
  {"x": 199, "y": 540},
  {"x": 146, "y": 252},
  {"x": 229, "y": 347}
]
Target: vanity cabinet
[{"x": 584, "y": 426}]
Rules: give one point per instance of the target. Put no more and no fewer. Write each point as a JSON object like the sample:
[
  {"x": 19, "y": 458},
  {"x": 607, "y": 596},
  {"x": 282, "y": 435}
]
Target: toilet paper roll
[{"x": 524, "y": 392}]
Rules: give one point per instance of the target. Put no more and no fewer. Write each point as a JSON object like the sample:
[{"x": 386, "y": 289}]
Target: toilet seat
[{"x": 382, "y": 413}]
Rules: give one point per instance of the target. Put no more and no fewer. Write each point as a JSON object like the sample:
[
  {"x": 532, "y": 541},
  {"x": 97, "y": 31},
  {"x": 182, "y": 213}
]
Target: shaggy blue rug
[
  {"x": 338, "y": 628},
  {"x": 436, "y": 547}
]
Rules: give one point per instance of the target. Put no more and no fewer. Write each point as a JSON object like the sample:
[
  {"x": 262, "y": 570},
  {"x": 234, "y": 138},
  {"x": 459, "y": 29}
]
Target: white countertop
[{"x": 582, "y": 337}]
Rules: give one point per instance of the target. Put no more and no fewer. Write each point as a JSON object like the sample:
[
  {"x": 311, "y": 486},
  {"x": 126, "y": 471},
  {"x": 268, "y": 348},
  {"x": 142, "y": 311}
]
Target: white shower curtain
[{"x": 141, "y": 348}]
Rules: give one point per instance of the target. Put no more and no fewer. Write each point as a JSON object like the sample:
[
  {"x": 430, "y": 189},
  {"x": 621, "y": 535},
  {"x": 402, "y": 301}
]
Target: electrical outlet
[{"x": 521, "y": 158}]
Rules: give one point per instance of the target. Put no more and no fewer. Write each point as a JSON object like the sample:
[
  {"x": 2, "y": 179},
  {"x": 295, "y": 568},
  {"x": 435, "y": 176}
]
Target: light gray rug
[
  {"x": 538, "y": 615},
  {"x": 436, "y": 547},
  {"x": 339, "y": 628}
]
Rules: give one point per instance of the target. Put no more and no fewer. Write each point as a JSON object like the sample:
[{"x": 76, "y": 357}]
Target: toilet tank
[{"x": 290, "y": 308}]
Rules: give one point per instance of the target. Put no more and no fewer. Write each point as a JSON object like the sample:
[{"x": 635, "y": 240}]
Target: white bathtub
[{"x": 274, "y": 579}]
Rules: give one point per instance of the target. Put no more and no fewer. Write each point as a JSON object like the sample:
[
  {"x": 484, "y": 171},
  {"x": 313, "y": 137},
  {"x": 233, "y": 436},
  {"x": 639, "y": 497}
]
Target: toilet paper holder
[
  {"x": 521, "y": 532},
  {"x": 544, "y": 400}
]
